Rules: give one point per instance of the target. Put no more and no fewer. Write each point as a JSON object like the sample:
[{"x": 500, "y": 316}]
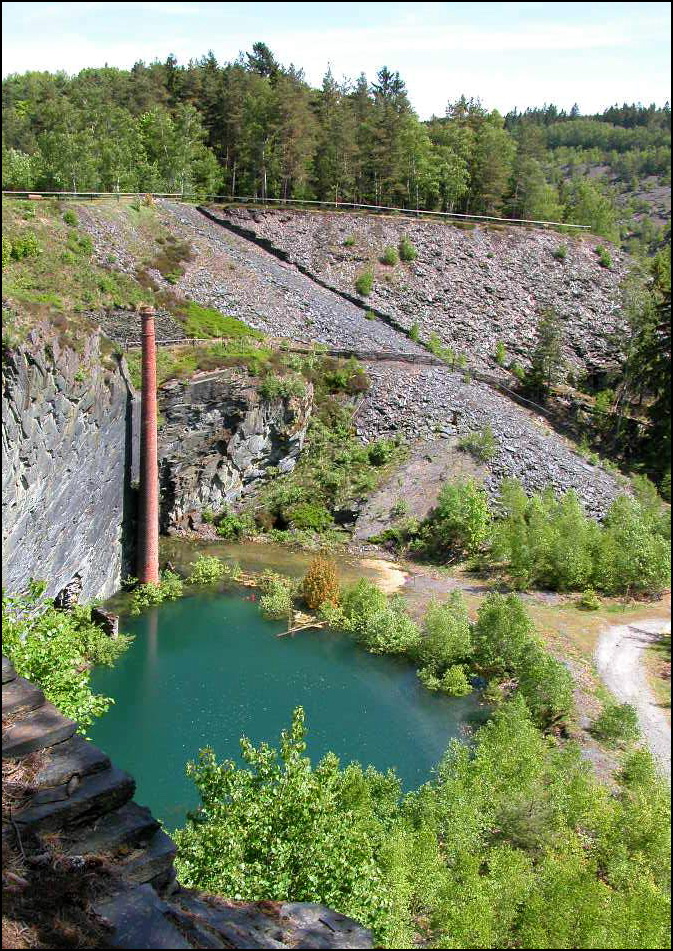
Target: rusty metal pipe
[{"x": 148, "y": 539}]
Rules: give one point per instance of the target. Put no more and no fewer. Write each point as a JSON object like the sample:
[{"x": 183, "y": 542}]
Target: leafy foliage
[
  {"x": 512, "y": 844},
  {"x": 390, "y": 256},
  {"x": 481, "y": 444},
  {"x": 364, "y": 283},
  {"x": 169, "y": 588},
  {"x": 617, "y": 723},
  {"x": 207, "y": 569},
  {"x": 55, "y": 650}
]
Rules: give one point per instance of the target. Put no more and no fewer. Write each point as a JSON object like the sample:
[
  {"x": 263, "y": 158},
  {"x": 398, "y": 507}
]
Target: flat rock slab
[
  {"x": 96, "y": 795},
  {"x": 130, "y": 825},
  {"x": 138, "y": 917},
  {"x": 241, "y": 924},
  {"x": 151, "y": 860},
  {"x": 36, "y": 731},
  {"x": 20, "y": 696},
  {"x": 8, "y": 672},
  {"x": 309, "y": 925},
  {"x": 73, "y": 757}
]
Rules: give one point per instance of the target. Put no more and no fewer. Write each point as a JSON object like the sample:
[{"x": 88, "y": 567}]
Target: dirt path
[{"x": 620, "y": 664}]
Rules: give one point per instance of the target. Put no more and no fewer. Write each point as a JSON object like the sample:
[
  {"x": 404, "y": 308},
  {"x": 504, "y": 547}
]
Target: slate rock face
[
  {"x": 218, "y": 439},
  {"x": 65, "y": 456},
  {"x": 473, "y": 288}
]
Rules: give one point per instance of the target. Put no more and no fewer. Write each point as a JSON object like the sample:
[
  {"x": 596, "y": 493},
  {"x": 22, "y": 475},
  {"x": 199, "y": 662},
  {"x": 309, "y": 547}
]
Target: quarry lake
[{"x": 207, "y": 669}]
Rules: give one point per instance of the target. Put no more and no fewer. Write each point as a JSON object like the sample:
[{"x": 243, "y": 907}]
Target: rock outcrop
[
  {"x": 218, "y": 438},
  {"x": 473, "y": 288},
  {"x": 66, "y": 448},
  {"x": 75, "y": 797}
]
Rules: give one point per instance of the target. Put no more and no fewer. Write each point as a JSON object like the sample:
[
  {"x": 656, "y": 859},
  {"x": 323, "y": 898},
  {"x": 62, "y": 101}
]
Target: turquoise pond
[{"x": 207, "y": 669}]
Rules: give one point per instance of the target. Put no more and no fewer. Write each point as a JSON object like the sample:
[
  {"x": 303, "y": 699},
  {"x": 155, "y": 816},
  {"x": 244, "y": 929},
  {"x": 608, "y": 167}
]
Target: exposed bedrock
[
  {"x": 66, "y": 422},
  {"x": 219, "y": 438},
  {"x": 473, "y": 288}
]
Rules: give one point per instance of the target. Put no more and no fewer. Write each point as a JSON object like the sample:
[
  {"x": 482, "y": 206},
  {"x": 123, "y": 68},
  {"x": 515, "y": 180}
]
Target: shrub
[
  {"x": 381, "y": 451},
  {"x": 276, "y": 602},
  {"x": 481, "y": 444},
  {"x": 350, "y": 241},
  {"x": 25, "y": 245},
  {"x": 380, "y": 624},
  {"x": 446, "y": 634},
  {"x": 364, "y": 283},
  {"x": 389, "y": 256},
  {"x": 274, "y": 387},
  {"x": 55, "y": 649},
  {"x": 169, "y": 588},
  {"x": 560, "y": 253},
  {"x": 604, "y": 258},
  {"x": 618, "y": 723},
  {"x": 6, "y": 251},
  {"x": 500, "y": 355},
  {"x": 309, "y": 515},
  {"x": 459, "y": 524},
  {"x": 207, "y": 569},
  {"x": 321, "y": 583},
  {"x": 589, "y": 601},
  {"x": 235, "y": 526},
  {"x": 70, "y": 217},
  {"x": 414, "y": 332},
  {"x": 407, "y": 251}
]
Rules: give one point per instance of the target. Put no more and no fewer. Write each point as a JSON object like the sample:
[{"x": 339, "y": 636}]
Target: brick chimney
[{"x": 148, "y": 538}]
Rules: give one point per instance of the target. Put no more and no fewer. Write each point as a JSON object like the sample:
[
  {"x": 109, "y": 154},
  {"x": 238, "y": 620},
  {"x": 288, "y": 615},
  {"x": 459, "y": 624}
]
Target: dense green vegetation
[
  {"x": 255, "y": 127},
  {"x": 513, "y": 844},
  {"x": 56, "y": 649},
  {"x": 547, "y": 542}
]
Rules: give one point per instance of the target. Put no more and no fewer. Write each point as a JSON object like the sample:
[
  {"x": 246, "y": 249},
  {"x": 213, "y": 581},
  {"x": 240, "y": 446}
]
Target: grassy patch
[{"x": 200, "y": 321}]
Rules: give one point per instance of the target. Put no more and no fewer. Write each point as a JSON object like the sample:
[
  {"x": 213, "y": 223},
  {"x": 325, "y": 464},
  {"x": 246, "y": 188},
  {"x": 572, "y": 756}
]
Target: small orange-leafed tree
[{"x": 321, "y": 583}]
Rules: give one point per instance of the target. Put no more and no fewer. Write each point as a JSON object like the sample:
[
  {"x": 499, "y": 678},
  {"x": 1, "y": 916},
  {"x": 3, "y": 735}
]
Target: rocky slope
[
  {"x": 473, "y": 288},
  {"x": 66, "y": 462},
  {"x": 218, "y": 439}
]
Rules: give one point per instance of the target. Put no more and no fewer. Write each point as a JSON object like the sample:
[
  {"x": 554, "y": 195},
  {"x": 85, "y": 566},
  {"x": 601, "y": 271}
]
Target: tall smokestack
[{"x": 148, "y": 540}]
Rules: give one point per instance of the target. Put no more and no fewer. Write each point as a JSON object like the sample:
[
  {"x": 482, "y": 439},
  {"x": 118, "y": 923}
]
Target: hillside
[{"x": 473, "y": 286}]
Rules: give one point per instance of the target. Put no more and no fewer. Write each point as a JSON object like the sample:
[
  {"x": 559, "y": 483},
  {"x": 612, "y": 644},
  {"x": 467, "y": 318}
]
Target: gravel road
[{"x": 620, "y": 664}]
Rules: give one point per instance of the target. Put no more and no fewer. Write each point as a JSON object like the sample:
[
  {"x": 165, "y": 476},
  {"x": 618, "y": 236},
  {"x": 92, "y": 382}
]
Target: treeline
[{"x": 257, "y": 128}]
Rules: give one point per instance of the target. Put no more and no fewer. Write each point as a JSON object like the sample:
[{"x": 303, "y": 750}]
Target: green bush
[
  {"x": 283, "y": 387},
  {"x": 604, "y": 258},
  {"x": 382, "y": 451},
  {"x": 25, "y": 245},
  {"x": 364, "y": 283},
  {"x": 481, "y": 444},
  {"x": 350, "y": 241},
  {"x": 6, "y": 251},
  {"x": 446, "y": 636},
  {"x": 276, "y": 602},
  {"x": 380, "y": 624},
  {"x": 407, "y": 251},
  {"x": 70, "y": 217},
  {"x": 415, "y": 332},
  {"x": 618, "y": 723},
  {"x": 309, "y": 515},
  {"x": 589, "y": 601},
  {"x": 390, "y": 256},
  {"x": 235, "y": 526},
  {"x": 55, "y": 649},
  {"x": 207, "y": 569},
  {"x": 500, "y": 355},
  {"x": 169, "y": 588},
  {"x": 459, "y": 524},
  {"x": 560, "y": 253}
]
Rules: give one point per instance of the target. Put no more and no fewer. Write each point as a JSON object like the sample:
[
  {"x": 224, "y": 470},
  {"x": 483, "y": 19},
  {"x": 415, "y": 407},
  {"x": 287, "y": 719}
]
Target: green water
[{"x": 208, "y": 668}]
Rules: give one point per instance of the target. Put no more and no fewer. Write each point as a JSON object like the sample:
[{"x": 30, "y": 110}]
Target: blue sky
[{"x": 508, "y": 54}]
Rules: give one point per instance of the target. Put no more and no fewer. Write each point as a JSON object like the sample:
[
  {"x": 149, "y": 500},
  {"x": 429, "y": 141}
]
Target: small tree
[
  {"x": 321, "y": 583},
  {"x": 547, "y": 363}
]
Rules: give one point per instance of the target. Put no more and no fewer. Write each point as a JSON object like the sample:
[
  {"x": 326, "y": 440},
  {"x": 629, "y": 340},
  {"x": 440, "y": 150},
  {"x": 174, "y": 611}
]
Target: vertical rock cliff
[{"x": 66, "y": 459}]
